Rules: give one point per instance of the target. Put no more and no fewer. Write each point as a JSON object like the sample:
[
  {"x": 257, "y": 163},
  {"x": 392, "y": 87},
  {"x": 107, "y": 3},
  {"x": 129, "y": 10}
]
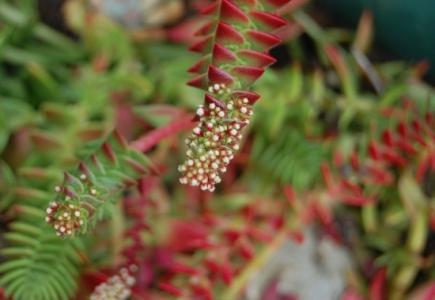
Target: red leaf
[
  {"x": 270, "y": 21},
  {"x": 210, "y": 99},
  {"x": 201, "y": 291},
  {"x": 226, "y": 34},
  {"x": 200, "y": 66},
  {"x": 248, "y": 75},
  {"x": 252, "y": 96},
  {"x": 429, "y": 294},
  {"x": 203, "y": 45},
  {"x": 405, "y": 146},
  {"x": 387, "y": 138},
  {"x": 108, "y": 152},
  {"x": 374, "y": 150},
  {"x": 402, "y": 129},
  {"x": 245, "y": 2},
  {"x": 393, "y": 157},
  {"x": 204, "y": 29},
  {"x": 210, "y": 9},
  {"x": 154, "y": 137},
  {"x": 263, "y": 41},
  {"x": 255, "y": 58},
  {"x": 187, "y": 235},
  {"x": 290, "y": 194},
  {"x": 356, "y": 200},
  {"x": 200, "y": 82},
  {"x": 277, "y": 3},
  {"x": 377, "y": 285},
  {"x": 231, "y": 13},
  {"x": 216, "y": 75},
  {"x": 170, "y": 289},
  {"x": 327, "y": 177},
  {"x": 222, "y": 55},
  {"x": 246, "y": 249},
  {"x": 232, "y": 235},
  {"x": 177, "y": 267}
]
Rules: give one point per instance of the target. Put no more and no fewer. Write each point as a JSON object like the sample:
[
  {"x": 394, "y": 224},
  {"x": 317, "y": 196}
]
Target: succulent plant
[{"x": 234, "y": 44}]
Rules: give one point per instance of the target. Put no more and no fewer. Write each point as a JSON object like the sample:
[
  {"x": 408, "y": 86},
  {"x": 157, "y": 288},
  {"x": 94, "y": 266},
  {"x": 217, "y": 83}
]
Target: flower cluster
[
  {"x": 67, "y": 214},
  {"x": 214, "y": 141},
  {"x": 118, "y": 287},
  {"x": 66, "y": 218},
  {"x": 238, "y": 38}
]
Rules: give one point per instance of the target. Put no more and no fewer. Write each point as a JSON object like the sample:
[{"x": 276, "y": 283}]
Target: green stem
[{"x": 235, "y": 289}]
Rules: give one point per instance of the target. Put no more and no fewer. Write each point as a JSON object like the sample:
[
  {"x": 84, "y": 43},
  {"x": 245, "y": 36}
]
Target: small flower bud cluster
[
  {"x": 118, "y": 287},
  {"x": 66, "y": 213},
  {"x": 66, "y": 218},
  {"x": 214, "y": 141}
]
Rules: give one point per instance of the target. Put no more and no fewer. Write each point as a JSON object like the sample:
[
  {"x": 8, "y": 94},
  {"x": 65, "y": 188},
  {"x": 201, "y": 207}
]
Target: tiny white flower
[{"x": 200, "y": 111}]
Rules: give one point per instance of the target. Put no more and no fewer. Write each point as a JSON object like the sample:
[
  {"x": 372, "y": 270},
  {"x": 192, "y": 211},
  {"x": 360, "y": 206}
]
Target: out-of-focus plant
[{"x": 339, "y": 143}]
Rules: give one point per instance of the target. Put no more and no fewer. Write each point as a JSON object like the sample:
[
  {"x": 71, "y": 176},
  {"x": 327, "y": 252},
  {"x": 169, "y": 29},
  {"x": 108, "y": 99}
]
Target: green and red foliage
[{"x": 338, "y": 145}]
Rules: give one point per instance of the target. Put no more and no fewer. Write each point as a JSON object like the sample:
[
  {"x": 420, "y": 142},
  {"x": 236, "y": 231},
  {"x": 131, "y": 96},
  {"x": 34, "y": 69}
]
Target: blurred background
[{"x": 352, "y": 79}]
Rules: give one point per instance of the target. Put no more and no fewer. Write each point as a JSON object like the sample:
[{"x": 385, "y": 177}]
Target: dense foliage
[{"x": 338, "y": 144}]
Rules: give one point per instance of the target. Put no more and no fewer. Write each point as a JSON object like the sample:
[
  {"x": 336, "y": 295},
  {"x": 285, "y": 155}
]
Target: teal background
[{"x": 405, "y": 28}]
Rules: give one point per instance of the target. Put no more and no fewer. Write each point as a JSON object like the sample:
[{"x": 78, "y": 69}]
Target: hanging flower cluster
[
  {"x": 234, "y": 44},
  {"x": 117, "y": 287},
  {"x": 215, "y": 140}
]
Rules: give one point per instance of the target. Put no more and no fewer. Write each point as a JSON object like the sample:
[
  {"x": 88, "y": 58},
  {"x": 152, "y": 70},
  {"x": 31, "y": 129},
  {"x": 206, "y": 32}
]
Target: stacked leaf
[{"x": 234, "y": 44}]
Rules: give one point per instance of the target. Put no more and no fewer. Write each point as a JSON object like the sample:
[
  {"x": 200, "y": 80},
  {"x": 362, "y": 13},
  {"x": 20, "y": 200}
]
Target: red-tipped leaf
[
  {"x": 200, "y": 82},
  {"x": 222, "y": 55},
  {"x": 231, "y": 13},
  {"x": 251, "y": 96},
  {"x": 263, "y": 41},
  {"x": 247, "y": 75},
  {"x": 200, "y": 66},
  {"x": 216, "y": 75},
  {"x": 255, "y": 58},
  {"x": 226, "y": 34},
  {"x": 267, "y": 20}
]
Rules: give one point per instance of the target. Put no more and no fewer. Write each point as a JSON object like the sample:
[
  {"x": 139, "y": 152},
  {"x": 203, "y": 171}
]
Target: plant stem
[{"x": 239, "y": 283}]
